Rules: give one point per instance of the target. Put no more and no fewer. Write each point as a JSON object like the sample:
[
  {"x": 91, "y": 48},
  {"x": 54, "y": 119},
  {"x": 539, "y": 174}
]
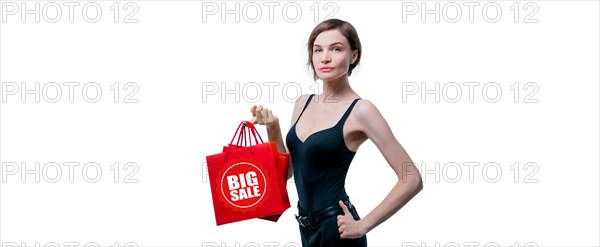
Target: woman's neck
[{"x": 337, "y": 90}]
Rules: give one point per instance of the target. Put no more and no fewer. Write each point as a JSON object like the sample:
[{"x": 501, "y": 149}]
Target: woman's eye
[
  {"x": 337, "y": 49},
  {"x": 317, "y": 50}
]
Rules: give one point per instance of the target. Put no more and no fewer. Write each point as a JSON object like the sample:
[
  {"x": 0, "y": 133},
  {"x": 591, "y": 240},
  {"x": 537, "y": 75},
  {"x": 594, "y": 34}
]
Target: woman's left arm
[{"x": 409, "y": 183}]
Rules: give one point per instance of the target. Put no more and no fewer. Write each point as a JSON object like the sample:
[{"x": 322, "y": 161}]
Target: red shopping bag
[
  {"x": 282, "y": 172},
  {"x": 281, "y": 167},
  {"x": 247, "y": 181}
]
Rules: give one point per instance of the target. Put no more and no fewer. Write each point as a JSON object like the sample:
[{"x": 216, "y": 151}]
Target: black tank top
[{"x": 320, "y": 163}]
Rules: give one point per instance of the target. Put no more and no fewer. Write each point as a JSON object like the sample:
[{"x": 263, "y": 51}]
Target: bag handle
[
  {"x": 237, "y": 131},
  {"x": 253, "y": 131},
  {"x": 243, "y": 137}
]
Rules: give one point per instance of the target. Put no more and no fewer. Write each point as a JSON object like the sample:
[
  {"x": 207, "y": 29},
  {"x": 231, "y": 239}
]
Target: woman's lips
[{"x": 326, "y": 69}]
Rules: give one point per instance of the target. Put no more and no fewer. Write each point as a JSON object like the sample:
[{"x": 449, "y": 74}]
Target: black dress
[{"x": 320, "y": 165}]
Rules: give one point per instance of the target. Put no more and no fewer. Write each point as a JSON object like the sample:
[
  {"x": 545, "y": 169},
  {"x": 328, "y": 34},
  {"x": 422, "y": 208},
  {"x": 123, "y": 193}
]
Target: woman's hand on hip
[
  {"x": 264, "y": 116},
  {"x": 347, "y": 226}
]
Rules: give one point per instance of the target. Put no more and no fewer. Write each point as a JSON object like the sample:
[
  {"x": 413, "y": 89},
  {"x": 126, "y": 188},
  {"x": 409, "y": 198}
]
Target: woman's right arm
[{"x": 264, "y": 116}]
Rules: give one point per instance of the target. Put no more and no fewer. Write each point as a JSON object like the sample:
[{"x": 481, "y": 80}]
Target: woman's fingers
[
  {"x": 253, "y": 111},
  {"x": 256, "y": 114},
  {"x": 259, "y": 116},
  {"x": 262, "y": 115}
]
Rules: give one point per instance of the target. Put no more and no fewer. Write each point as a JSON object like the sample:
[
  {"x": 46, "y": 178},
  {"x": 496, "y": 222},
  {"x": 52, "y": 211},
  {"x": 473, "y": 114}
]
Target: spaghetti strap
[
  {"x": 347, "y": 113},
  {"x": 305, "y": 105}
]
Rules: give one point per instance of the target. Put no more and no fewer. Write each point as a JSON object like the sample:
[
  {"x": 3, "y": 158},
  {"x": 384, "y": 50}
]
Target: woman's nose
[{"x": 325, "y": 58}]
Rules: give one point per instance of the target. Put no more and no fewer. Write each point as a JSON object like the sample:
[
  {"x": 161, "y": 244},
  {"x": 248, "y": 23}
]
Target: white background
[{"x": 170, "y": 53}]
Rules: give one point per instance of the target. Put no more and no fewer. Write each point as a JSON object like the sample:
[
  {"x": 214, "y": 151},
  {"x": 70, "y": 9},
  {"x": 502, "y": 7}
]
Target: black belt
[{"x": 310, "y": 219}]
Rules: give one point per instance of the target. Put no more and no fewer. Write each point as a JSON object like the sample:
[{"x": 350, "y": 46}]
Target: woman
[{"x": 326, "y": 131}]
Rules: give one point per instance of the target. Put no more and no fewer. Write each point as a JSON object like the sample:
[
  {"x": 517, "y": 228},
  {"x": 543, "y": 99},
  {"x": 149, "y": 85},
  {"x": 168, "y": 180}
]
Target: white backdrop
[{"x": 496, "y": 102}]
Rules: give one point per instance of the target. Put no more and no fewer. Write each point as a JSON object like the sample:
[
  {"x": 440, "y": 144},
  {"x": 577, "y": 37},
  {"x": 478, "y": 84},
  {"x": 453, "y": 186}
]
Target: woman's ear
[{"x": 354, "y": 56}]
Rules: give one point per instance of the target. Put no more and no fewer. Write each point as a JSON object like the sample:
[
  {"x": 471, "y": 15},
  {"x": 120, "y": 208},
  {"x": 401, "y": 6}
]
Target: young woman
[{"x": 326, "y": 131}]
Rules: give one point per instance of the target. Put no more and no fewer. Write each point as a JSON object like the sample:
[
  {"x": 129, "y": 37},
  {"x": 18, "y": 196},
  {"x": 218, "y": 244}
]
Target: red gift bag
[
  {"x": 282, "y": 170},
  {"x": 248, "y": 181}
]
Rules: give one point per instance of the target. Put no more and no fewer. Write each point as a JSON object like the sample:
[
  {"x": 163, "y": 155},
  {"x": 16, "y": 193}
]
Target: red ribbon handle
[
  {"x": 240, "y": 133},
  {"x": 252, "y": 130},
  {"x": 242, "y": 136}
]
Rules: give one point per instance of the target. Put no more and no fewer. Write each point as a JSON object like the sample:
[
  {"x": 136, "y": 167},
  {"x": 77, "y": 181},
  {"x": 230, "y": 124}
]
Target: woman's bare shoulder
[
  {"x": 364, "y": 106},
  {"x": 301, "y": 100},
  {"x": 365, "y": 110}
]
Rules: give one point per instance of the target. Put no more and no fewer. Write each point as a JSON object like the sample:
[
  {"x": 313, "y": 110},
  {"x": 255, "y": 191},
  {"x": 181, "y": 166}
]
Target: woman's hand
[
  {"x": 264, "y": 116},
  {"x": 347, "y": 226}
]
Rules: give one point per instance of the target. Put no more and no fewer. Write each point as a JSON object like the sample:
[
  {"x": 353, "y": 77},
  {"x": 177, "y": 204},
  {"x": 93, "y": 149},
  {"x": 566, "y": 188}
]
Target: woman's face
[{"x": 332, "y": 55}]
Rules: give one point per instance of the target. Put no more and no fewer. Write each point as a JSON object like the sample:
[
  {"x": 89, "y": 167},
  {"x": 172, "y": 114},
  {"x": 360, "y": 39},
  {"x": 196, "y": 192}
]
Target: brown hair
[{"x": 346, "y": 29}]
